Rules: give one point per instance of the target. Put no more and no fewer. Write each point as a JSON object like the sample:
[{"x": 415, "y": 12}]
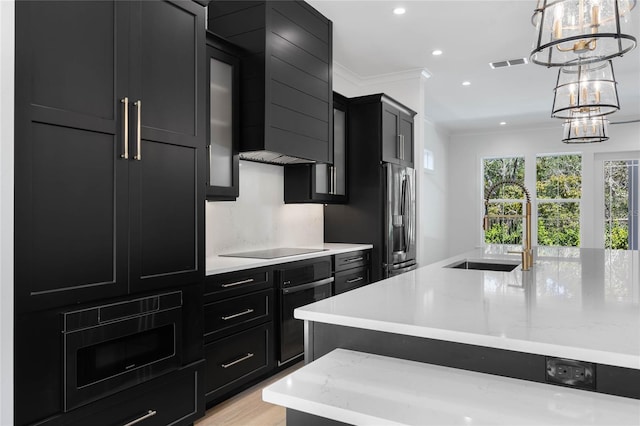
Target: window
[
  {"x": 558, "y": 189},
  {"x": 505, "y": 200},
  {"x": 621, "y": 204}
]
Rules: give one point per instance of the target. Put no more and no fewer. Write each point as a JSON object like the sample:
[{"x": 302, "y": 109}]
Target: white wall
[
  {"x": 7, "y": 43},
  {"x": 465, "y": 156},
  {"x": 259, "y": 218}
]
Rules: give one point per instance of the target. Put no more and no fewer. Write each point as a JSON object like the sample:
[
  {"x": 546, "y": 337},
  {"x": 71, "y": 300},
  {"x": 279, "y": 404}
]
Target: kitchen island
[{"x": 576, "y": 307}]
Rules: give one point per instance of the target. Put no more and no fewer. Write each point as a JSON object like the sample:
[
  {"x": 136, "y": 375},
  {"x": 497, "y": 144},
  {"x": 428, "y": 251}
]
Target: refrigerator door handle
[{"x": 406, "y": 212}]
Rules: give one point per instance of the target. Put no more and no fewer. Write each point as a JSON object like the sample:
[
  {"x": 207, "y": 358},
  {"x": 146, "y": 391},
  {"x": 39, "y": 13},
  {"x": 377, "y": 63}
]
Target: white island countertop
[
  {"x": 581, "y": 304},
  {"x": 221, "y": 264}
]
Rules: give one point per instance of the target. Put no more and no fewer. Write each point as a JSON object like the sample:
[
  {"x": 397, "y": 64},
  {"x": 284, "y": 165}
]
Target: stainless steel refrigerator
[
  {"x": 381, "y": 190},
  {"x": 399, "y": 220}
]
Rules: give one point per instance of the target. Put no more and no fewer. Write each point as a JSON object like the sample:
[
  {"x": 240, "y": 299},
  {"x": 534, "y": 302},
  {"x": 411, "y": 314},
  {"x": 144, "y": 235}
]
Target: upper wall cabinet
[
  {"x": 224, "y": 117},
  {"x": 396, "y": 135},
  {"x": 321, "y": 182},
  {"x": 109, "y": 149},
  {"x": 286, "y": 108}
]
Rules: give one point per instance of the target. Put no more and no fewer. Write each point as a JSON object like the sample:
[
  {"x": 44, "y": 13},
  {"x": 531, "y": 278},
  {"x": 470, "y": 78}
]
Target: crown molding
[{"x": 361, "y": 81}]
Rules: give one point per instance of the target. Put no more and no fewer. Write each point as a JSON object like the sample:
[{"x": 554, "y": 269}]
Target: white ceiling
[{"x": 369, "y": 40}]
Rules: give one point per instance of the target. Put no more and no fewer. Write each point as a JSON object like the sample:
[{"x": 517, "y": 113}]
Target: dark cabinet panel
[
  {"x": 351, "y": 279},
  {"x": 71, "y": 36},
  {"x": 397, "y": 135},
  {"x": 153, "y": 403},
  {"x": 322, "y": 182},
  {"x": 237, "y": 313},
  {"x": 166, "y": 57},
  {"x": 238, "y": 359},
  {"x": 350, "y": 260},
  {"x": 164, "y": 226},
  {"x": 109, "y": 139}
]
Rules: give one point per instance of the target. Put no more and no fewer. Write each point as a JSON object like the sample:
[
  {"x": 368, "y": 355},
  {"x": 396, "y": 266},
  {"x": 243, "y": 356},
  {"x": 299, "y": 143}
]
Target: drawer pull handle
[
  {"x": 244, "y": 358},
  {"x": 355, "y": 280},
  {"x": 353, "y": 259},
  {"x": 149, "y": 414},
  {"x": 247, "y": 281},
  {"x": 239, "y": 314}
]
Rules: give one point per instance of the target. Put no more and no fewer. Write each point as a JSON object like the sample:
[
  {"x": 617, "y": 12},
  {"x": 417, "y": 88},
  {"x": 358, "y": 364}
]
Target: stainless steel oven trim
[{"x": 302, "y": 287}]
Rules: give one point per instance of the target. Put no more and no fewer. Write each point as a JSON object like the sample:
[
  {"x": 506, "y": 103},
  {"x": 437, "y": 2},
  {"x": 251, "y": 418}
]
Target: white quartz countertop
[
  {"x": 581, "y": 304},
  {"x": 219, "y": 264},
  {"x": 366, "y": 389}
]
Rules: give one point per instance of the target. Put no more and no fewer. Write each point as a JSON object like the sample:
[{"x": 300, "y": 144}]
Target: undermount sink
[{"x": 483, "y": 265}]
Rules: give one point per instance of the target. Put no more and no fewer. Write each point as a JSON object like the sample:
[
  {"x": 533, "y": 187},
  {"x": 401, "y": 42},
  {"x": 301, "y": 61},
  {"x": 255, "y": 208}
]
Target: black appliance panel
[
  {"x": 113, "y": 347},
  {"x": 291, "y": 329}
]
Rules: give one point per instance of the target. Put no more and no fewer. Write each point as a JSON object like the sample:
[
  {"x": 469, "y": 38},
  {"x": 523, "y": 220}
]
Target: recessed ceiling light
[
  {"x": 466, "y": 83},
  {"x": 399, "y": 10},
  {"x": 503, "y": 123},
  {"x": 437, "y": 52}
]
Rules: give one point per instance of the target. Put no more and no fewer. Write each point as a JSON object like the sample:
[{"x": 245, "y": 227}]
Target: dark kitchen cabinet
[
  {"x": 322, "y": 182},
  {"x": 286, "y": 107},
  {"x": 397, "y": 135},
  {"x": 351, "y": 270},
  {"x": 239, "y": 339},
  {"x": 224, "y": 114},
  {"x": 110, "y": 135}
]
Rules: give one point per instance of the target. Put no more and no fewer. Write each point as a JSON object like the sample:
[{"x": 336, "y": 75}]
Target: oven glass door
[{"x": 291, "y": 329}]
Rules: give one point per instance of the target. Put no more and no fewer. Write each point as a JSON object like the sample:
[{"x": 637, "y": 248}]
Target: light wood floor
[{"x": 247, "y": 408}]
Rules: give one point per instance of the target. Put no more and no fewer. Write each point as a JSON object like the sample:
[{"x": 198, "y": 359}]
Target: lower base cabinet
[
  {"x": 173, "y": 399},
  {"x": 351, "y": 279},
  {"x": 238, "y": 359}
]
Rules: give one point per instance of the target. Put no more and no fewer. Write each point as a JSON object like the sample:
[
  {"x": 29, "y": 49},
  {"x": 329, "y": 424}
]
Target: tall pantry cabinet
[{"x": 110, "y": 133}]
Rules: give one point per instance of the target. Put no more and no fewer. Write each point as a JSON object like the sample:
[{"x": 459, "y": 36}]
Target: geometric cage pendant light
[
  {"x": 581, "y": 30},
  {"x": 585, "y": 129},
  {"x": 585, "y": 90}
]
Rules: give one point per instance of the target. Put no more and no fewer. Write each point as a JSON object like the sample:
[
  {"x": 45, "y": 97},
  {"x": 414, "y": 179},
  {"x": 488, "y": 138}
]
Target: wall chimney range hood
[{"x": 286, "y": 101}]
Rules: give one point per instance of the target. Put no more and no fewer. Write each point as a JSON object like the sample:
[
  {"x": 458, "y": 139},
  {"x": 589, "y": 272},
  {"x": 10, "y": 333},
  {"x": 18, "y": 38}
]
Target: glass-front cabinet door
[
  {"x": 223, "y": 160},
  {"x": 330, "y": 179}
]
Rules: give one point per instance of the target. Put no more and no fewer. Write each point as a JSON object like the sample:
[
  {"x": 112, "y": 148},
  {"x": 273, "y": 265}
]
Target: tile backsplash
[{"x": 259, "y": 218}]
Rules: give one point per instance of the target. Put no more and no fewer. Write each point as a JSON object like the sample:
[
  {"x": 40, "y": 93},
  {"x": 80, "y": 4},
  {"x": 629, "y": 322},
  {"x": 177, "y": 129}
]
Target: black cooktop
[{"x": 273, "y": 253}]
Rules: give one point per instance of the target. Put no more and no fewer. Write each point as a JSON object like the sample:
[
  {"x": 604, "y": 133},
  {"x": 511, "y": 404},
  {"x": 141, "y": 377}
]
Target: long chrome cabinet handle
[
  {"x": 239, "y": 314},
  {"x": 353, "y": 259},
  {"x": 355, "y": 280},
  {"x": 149, "y": 414},
  {"x": 402, "y": 147},
  {"x": 125, "y": 113},
  {"x": 138, "y": 155},
  {"x": 244, "y": 358},
  {"x": 247, "y": 281}
]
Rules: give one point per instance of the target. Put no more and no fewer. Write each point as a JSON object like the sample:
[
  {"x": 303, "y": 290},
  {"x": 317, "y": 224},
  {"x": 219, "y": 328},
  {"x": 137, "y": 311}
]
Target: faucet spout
[{"x": 527, "y": 252}]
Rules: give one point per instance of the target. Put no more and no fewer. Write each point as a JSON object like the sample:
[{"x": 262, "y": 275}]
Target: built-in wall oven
[
  {"x": 300, "y": 283},
  {"x": 111, "y": 347}
]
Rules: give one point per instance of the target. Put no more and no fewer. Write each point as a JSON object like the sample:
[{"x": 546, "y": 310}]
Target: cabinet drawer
[
  {"x": 237, "y": 359},
  {"x": 169, "y": 400},
  {"x": 221, "y": 286},
  {"x": 348, "y": 280},
  {"x": 352, "y": 259},
  {"x": 237, "y": 313}
]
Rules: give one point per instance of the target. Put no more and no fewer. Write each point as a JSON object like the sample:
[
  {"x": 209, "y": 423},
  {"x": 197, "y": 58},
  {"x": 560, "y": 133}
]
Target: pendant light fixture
[
  {"x": 585, "y": 130},
  {"x": 585, "y": 90},
  {"x": 585, "y": 30}
]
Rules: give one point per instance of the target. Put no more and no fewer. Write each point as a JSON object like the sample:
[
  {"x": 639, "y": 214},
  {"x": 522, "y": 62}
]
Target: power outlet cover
[{"x": 572, "y": 373}]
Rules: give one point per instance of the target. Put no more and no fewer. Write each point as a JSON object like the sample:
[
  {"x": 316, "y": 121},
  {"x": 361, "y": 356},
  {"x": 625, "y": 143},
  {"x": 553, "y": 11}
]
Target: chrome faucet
[{"x": 527, "y": 253}]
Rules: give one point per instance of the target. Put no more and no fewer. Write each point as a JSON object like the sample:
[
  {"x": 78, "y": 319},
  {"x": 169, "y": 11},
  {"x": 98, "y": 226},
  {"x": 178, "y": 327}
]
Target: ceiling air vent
[{"x": 508, "y": 63}]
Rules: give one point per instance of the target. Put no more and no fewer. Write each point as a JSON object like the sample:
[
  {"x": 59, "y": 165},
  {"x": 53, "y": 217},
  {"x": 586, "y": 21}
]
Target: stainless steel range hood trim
[{"x": 270, "y": 157}]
